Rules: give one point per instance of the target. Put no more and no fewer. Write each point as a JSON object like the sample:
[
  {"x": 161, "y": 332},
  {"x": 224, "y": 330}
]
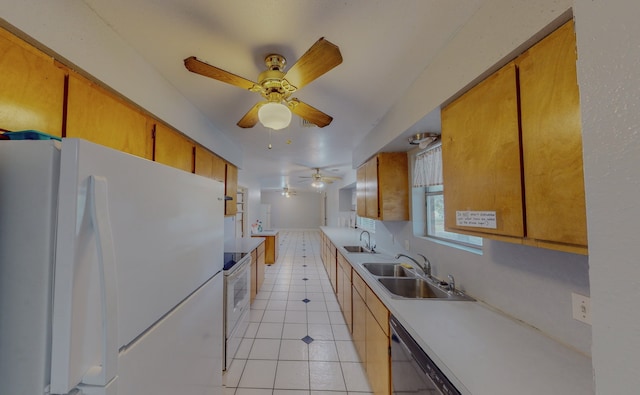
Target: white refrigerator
[{"x": 110, "y": 273}]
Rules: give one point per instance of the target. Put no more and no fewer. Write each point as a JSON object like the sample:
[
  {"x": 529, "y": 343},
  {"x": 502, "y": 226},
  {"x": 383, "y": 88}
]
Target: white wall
[
  {"x": 530, "y": 282},
  {"x": 609, "y": 79},
  {"x": 495, "y": 33},
  {"x": 301, "y": 211},
  {"x": 533, "y": 285}
]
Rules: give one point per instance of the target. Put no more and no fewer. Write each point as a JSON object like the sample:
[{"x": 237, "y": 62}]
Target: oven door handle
[{"x": 239, "y": 270}]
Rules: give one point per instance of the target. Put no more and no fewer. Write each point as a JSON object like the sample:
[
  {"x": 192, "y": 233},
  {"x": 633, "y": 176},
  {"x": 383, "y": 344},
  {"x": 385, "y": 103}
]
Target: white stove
[{"x": 237, "y": 290}]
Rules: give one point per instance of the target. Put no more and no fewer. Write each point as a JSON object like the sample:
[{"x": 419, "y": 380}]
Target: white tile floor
[{"x": 296, "y": 303}]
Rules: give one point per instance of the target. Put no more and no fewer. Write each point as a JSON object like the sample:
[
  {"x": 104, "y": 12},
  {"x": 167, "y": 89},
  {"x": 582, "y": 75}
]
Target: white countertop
[
  {"x": 243, "y": 244},
  {"x": 480, "y": 350},
  {"x": 265, "y": 233}
]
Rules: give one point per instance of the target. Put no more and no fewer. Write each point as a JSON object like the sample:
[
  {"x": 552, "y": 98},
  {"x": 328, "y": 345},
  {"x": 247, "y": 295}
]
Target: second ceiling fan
[
  {"x": 276, "y": 86},
  {"x": 318, "y": 180}
]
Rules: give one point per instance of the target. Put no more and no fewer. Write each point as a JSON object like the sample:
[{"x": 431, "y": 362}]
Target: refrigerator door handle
[{"x": 99, "y": 208}]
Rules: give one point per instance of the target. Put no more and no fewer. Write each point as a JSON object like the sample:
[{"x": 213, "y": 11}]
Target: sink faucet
[
  {"x": 452, "y": 283},
  {"x": 426, "y": 266},
  {"x": 368, "y": 238},
  {"x": 422, "y": 268}
]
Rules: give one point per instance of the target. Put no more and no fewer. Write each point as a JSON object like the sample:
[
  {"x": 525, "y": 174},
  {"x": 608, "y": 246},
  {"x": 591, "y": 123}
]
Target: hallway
[{"x": 297, "y": 341}]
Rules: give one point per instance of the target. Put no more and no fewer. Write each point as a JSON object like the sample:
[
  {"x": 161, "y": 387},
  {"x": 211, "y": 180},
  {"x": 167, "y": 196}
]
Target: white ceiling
[{"x": 385, "y": 45}]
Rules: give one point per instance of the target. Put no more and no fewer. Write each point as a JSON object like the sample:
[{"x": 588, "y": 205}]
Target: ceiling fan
[
  {"x": 276, "y": 86},
  {"x": 319, "y": 180},
  {"x": 286, "y": 192}
]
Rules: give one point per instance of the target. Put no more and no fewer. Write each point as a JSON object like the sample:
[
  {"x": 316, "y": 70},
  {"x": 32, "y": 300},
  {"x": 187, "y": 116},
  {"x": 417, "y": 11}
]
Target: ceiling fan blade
[
  {"x": 313, "y": 115},
  {"x": 330, "y": 178},
  {"x": 250, "y": 119},
  {"x": 320, "y": 58},
  {"x": 199, "y": 67}
]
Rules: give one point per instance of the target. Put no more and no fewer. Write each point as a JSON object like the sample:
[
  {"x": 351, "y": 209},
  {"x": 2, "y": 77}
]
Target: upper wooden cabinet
[
  {"x": 552, "y": 141},
  {"x": 361, "y": 183},
  {"x": 31, "y": 88},
  {"x": 219, "y": 169},
  {"x": 231, "y": 189},
  {"x": 512, "y": 146},
  {"x": 481, "y": 154},
  {"x": 203, "y": 162},
  {"x": 208, "y": 164},
  {"x": 173, "y": 149},
  {"x": 99, "y": 116},
  {"x": 382, "y": 187}
]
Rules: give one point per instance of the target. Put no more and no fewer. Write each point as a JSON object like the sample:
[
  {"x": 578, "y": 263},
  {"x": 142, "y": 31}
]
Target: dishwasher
[{"x": 412, "y": 371}]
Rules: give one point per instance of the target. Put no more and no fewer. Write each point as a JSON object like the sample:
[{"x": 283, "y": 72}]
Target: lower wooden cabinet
[
  {"x": 260, "y": 266},
  {"x": 254, "y": 283},
  {"x": 344, "y": 289},
  {"x": 359, "y": 319},
  {"x": 366, "y": 316},
  {"x": 270, "y": 246},
  {"x": 257, "y": 270},
  {"x": 332, "y": 266},
  {"x": 371, "y": 335},
  {"x": 378, "y": 362}
]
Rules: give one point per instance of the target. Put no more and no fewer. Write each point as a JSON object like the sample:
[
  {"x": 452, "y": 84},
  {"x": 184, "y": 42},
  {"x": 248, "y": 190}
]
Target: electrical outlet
[
  {"x": 406, "y": 245},
  {"x": 581, "y": 307}
]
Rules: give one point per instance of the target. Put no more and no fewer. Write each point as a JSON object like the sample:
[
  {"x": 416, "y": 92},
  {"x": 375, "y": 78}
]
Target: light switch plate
[
  {"x": 406, "y": 245},
  {"x": 581, "y": 306}
]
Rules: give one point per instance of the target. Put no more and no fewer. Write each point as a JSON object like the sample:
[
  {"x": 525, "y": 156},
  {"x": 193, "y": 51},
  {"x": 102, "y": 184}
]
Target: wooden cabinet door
[
  {"x": 231, "y": 189},
  {"x": 219, "y": 168},
  {"x": 31, "y": 88},
  {"x": 98, "y": 116},
  {"x": 481, "y": 155},
  {"x": 344, "y": 287},
  {"x": 371, "y": 189},
  {"x": 359, "y": 315},
  {"x": 347, "y": 302},
  {"x": 333, "y": 262},
  {"x": 361, "y": 188},
  {"x": 393, "y": 186},
  {"x": 260, "y": 267},
  {"x": 552, "y": 140},
  {"x": 203, "y": 162},
  {"x": 378, "y": 363},
  {"x": 270, "y": 249},
  {"x": 173, "y": 149},
  {"x": 254, "y": 278}
]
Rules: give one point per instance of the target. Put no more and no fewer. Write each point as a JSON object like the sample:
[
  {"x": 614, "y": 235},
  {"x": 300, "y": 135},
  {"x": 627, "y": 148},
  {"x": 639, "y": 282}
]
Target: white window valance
[{"x": 427, "y": 170}]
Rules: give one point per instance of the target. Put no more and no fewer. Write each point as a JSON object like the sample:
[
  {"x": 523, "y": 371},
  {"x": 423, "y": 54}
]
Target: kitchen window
[{"x": 428, "y": 201}]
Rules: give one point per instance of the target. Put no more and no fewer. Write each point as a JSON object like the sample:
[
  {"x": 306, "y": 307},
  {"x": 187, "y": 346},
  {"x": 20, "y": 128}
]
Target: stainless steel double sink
[{"x": 404, "y": 282}]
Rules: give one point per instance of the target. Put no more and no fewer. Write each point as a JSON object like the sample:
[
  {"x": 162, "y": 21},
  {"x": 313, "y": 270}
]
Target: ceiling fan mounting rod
[{"x": 275, "y": 62}]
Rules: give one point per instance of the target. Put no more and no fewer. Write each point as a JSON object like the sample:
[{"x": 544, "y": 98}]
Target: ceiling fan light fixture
[
  {"x": 274, "y": 115},
  {"x": 317, "y": 184}
]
